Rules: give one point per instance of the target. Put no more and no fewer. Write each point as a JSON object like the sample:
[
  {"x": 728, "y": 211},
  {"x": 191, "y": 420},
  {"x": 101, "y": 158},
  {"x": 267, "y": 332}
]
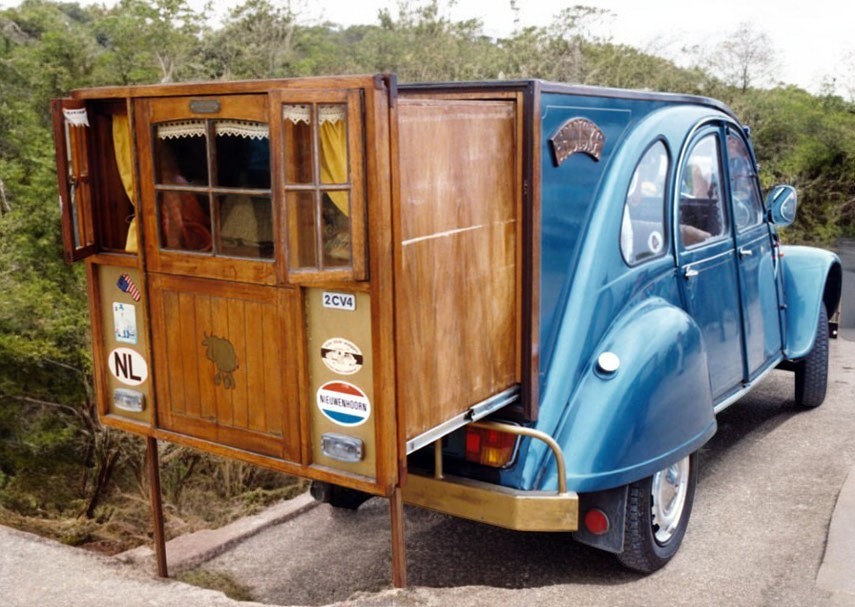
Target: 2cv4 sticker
[{"x": 343, "y": 403}]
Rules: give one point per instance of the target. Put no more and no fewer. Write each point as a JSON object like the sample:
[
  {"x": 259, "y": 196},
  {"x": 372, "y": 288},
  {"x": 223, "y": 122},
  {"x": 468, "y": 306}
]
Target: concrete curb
[
  {"x": 191, "y": 550},
  {"x": 838, "y": 564}
]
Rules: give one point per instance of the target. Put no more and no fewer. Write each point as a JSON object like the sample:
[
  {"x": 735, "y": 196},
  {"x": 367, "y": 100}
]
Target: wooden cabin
[{"x": 317, "y": 275}]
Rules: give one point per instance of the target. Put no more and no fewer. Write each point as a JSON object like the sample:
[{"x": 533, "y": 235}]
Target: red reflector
[
  {"x": 596, "y": 521},
  {"x": 489, "y": 447}
]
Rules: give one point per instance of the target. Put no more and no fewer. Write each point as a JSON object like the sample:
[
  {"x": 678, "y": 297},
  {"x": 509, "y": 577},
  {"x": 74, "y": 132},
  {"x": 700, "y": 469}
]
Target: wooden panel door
[
  {"x": 225, "y": 358},
  {"x": 457, "y": 294}
]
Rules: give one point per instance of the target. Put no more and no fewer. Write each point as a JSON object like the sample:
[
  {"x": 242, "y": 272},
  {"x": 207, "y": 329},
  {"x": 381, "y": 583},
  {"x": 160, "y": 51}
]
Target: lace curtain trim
[
  {"x": 242, "y": 128},
  {"x": 223, "y": 128},
  {"x": 76, "y": 117},
  {"x": 303, "y": 113},
  {"x": 179, "y": 130}
]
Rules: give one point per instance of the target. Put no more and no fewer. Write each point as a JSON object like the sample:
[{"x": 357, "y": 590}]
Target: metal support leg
[
  {"x": 399, "y": 549},
  {"x": 156, "y": 506}
]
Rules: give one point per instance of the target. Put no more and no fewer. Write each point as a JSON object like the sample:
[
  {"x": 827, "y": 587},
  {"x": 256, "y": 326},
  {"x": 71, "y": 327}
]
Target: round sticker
[
  {"x": 655, "y": 242},
  {"x": 343, "y": 403},
  {"x": 128, "y": 366},
  {"x": 341, "y": 356}
]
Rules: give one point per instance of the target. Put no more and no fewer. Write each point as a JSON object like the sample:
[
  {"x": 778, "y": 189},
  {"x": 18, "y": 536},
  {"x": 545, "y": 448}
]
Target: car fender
[
  {"x": 653, "y": 410},
  {"x": 811, "y": 276}
]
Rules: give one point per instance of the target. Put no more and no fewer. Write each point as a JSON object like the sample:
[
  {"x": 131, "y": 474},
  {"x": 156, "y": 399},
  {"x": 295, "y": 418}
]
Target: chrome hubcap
[{"x": 668, "y": 497}]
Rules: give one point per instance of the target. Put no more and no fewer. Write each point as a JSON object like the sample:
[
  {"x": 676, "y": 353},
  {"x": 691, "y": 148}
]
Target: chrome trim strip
[{"x": 473, "y": 413}]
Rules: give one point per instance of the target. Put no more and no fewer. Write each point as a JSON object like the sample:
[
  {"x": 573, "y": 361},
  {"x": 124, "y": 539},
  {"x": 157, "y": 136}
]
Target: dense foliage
[{"x": 55, "y": 459}]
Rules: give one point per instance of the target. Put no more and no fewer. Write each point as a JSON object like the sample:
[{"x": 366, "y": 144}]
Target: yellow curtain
[
  {"x": 333, "y": 136},
  {"x": 125, "y": 162}
]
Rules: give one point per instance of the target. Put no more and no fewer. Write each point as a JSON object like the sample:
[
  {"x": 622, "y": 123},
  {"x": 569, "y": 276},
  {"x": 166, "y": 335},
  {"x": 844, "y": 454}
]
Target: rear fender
[
  {"x": 653, "y": 410},
  {"x": 811, "y": 276}
]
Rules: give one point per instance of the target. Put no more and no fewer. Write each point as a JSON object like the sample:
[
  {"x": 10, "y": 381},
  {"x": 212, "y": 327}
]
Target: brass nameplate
[
  {"x": 205, "y": 106},
  {"x": 577, "y": 135}
]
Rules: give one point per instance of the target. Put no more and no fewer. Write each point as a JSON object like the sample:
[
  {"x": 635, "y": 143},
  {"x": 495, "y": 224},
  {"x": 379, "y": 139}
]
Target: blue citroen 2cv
[{"x": 521, "y": 303}]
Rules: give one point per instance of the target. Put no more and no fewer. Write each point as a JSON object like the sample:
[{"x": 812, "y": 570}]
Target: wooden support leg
[
  {"x": 156, "y": 506},
  {"x": 399, "y": 549}
]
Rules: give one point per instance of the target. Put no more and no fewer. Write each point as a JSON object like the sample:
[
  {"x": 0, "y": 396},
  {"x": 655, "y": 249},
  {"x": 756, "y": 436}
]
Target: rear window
[{"x": 642, "y": 233}]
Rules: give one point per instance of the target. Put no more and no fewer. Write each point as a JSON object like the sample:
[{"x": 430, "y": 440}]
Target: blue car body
[{"x": 687, "y": 346}]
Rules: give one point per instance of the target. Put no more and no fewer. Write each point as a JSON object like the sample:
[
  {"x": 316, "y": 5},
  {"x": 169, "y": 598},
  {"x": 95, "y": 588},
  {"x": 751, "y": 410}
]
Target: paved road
[{"x": 769, "y": 483}]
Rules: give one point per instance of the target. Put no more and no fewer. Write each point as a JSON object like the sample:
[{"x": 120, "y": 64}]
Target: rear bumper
[{"x": 494, "y": 504}]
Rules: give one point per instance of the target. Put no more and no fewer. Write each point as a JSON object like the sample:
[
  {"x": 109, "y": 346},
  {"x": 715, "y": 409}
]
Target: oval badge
[
  {"x": 343, "y": 403},
  {"x": 128, "y": 366},
  {"x": 341, "y": 355}
]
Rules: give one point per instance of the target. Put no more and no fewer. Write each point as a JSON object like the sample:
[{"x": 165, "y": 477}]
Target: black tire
[
  {"x": 338, "y": 497},
  {"x": 648, "y": 545},
  {"x": 812, "y": 372}
]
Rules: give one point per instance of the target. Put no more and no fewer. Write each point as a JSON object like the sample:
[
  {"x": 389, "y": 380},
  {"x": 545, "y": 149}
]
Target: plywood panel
[
  {"x": 457, "y": 305},
  {"x": 224, "y": 351}
]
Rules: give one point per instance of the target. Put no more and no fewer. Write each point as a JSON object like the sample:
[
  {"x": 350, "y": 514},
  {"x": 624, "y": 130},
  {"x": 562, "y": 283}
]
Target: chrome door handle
[
  {"x": 743, "y": 252},
  {"x": 690, "y": 273}
]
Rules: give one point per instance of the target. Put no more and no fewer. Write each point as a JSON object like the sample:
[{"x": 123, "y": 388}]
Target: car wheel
[
  {"x": 657, "y": 514},
  {"x": 812, "y": 372}
]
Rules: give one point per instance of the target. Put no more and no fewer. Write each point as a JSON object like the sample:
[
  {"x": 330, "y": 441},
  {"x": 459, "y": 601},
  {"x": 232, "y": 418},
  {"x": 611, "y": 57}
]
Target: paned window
[
  {"x": 318, "y": 186},
  {"x": 213, "y": 187}
]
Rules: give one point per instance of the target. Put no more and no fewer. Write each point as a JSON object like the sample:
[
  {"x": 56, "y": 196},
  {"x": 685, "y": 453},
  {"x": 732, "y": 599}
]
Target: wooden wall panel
[
  {"x": 246, "y": 397},
  {"x": 457, "y": 306}
]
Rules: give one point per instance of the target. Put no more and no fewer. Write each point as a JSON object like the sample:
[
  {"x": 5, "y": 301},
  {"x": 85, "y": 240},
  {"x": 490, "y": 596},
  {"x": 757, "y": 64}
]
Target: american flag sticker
[{"x": 127, "y": 285}]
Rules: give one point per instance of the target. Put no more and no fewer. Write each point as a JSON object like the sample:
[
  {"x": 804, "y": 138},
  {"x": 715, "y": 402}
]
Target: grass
[{"x": 216, "y": 580}]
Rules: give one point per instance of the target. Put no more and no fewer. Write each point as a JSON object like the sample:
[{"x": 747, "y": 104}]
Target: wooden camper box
[{"x": 223, "y": 345}]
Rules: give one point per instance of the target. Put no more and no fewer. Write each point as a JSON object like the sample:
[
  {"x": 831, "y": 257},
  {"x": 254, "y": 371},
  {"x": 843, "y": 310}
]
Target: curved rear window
[{"x": 642, "y": 234}]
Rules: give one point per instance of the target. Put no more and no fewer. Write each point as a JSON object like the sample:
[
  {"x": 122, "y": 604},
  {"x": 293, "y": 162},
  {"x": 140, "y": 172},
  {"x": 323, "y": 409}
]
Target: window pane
[
  {"x": 302, "y": 230},
  {"x": 243, "y": 154},
  {"x": 333, "y": 142},
  {"x": 643, "y": 226},
  {"x": 336, "y": 229},
  {"x": 246, "y": 226},
  {"x": 298, "y": 143},
  {"x": 702, "y": 214},
  {"x": 180, "y": 155},
  {"x": 185, "y": 221},
  {"x": 747, "y": 206}
]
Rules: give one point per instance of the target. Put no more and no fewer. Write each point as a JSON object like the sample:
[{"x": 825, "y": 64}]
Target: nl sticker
[
  {"x": 343, "y": 403},
  {"x": 124, "y": 323},
  {"x": 341, "y": 356}
]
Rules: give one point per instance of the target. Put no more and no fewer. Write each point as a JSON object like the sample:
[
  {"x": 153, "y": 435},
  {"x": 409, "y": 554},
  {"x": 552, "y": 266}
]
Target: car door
[
  {"x": 707, "y": 259},
  {"x": 755, "y": 256}
]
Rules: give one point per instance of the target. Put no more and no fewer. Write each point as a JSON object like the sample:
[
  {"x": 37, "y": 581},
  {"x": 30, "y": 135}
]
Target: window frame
[
  {"x": 253, "y": 107},
  {"x": 702, "y": 134},
  {"x": 355, "y": 186},
  {"x": 731, "y": 132}
]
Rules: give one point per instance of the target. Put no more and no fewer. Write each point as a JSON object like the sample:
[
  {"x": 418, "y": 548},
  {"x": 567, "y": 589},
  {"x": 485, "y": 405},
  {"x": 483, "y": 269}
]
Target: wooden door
[{"x": 458, "y": 287}]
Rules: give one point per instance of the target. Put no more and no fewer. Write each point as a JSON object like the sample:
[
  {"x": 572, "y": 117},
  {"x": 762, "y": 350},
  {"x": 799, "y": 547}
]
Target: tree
[
  {"x": 421, "y": 43},
  {"x": 745, "y": 59},
  {"x": 256, "y": 41}
]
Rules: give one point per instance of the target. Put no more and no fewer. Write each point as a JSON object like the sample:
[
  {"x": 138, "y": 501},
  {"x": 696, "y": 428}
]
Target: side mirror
[{"x": 781, "y": 203}]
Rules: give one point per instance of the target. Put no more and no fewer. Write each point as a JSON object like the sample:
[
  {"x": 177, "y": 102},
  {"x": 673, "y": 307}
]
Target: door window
[
  {"x": 747, "y": 206},
  {"x": 702, "y": 213}
]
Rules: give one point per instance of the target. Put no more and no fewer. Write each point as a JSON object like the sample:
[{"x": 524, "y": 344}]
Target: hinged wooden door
[{"x": 71, "y": 138}]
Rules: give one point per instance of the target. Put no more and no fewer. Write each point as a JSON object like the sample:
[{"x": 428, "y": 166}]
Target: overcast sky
[{"x": 809, "y": 38}]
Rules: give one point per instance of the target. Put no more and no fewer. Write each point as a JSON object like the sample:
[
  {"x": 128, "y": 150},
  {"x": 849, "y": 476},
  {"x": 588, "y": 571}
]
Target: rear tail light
[{"x": 489, "y": 447}]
